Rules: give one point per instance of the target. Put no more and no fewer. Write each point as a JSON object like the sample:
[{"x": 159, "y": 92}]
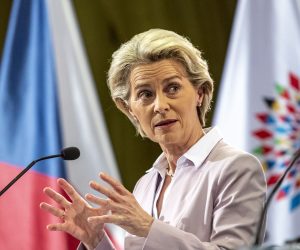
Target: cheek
[
  {"x": 136, "y": 110},
  {"x": 143, "y": 117},
  {"x": 145, "y": 121},
  {"x": 188, "y": 112},
  {"x": 145, "y": 124}
]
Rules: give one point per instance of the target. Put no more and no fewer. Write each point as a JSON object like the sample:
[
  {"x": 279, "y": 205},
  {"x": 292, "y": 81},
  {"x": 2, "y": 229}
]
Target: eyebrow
[{"x": 145, "y": 84}]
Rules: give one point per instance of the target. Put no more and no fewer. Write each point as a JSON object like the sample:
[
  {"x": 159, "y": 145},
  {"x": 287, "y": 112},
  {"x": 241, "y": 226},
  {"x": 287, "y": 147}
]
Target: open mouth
[{"x": 165, "y": 123}]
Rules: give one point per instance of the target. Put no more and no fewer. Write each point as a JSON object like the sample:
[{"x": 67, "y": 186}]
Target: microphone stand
[
  {"x": 25, "y": 170},
  {"x": 276, "y": 187}
]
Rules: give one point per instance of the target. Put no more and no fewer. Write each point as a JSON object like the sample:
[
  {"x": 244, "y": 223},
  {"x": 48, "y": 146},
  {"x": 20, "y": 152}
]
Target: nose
[{"x": 161, "y": 104}]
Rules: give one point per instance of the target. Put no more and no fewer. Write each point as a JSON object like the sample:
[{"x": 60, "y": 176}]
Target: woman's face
[{"x": 164, "y": 102}]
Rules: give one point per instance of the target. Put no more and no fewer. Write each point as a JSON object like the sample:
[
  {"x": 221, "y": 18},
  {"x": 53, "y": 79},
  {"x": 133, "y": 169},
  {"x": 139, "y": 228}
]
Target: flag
[
  {"x": 29, "y": 128},
  {"x": 258, "y": 106},
  {"x": 47, "y": 102},
  {"x": 83, "y": 123}
]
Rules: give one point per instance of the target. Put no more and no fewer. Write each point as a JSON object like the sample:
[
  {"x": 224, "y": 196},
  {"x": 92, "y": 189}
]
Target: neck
[{"x": 174, "y": 152}]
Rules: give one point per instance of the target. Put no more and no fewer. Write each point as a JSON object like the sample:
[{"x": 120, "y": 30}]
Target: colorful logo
[{"x": 279, "y": 139}]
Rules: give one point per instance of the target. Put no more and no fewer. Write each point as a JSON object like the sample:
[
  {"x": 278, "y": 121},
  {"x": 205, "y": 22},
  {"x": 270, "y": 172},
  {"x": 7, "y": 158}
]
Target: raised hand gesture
[
  {"x": 124, "y": 210},
  {"x": 74, "y": 215}
]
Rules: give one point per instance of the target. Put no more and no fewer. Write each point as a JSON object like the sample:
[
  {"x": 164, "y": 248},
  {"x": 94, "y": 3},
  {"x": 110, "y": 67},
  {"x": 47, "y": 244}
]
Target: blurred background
[{"x": 105, "y": 25}]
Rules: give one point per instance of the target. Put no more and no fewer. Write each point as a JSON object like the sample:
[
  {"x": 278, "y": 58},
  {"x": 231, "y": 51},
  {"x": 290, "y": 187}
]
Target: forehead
[{"x": 160, "y": 70}]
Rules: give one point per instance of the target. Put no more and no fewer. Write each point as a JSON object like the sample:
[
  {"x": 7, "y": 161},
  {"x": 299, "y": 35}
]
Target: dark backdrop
[{"x": 106, "y": 24}]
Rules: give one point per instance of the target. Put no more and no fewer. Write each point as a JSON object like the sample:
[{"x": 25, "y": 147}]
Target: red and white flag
[{"x": 47, "y": 101}]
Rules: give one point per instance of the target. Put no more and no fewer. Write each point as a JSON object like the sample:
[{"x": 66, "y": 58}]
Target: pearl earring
[{"x": 135, "y": 119}]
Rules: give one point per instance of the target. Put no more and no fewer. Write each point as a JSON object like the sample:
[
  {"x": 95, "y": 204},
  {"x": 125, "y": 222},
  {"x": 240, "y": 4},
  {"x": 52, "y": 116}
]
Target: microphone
[
  {"x": 276, "y": 187},
  {"x": 71, "y": 153}
]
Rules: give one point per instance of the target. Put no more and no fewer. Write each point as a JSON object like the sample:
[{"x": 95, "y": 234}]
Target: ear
[
  {"x": 122, "y": 105},
  {"x": 200, "y": 96},
  {"x": 125, "y": 108},
  {"x": 129, "y": 110},
  {"x": 131, "y": 113}
]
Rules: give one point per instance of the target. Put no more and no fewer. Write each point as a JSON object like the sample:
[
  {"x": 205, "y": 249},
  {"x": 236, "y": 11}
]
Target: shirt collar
[
  {"x": 202, "y": 148},
  {"x": 196, "y": 154},
  {"x": 160, "y": 164}
]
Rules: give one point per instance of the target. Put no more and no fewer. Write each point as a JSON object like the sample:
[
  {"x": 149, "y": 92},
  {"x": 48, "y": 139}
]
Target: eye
[
  {"x": 144, "y": 94},
  {"x": 173, "y": 88}
]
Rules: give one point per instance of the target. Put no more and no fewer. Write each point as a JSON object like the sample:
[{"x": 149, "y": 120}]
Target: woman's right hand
[{"x": 74, "y": 215}]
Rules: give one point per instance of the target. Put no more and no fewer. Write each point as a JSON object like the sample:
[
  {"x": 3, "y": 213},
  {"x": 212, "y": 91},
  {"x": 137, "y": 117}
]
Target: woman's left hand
[{"x": 124, "y": 209}]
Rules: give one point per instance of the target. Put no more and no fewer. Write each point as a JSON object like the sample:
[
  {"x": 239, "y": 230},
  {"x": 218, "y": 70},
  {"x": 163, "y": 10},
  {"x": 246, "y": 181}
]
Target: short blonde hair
[{"x": 152, "y": 46}]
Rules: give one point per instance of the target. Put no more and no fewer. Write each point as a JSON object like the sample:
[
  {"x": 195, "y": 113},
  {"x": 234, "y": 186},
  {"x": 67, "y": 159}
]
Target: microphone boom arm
[
  {"x": 70, "y": 153},
  {"x": 269, "y": 199},
  {"x": 24, "y": 171}
]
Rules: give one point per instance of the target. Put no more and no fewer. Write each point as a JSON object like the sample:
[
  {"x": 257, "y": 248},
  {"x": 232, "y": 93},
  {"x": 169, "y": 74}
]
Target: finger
[
  {"x": 107, "y": 205},
  {"x": 69, "y": 189},
  {"x": 52, "y": 210},
  {"x": 106, "y": 191},
  {"x": 114, "y": 183},
  {"x": 104, "y": 219},
  {"x": 99, "y": 201},
  {"x": 57, "y": 227},
  {"x": 57, "y": 197}
]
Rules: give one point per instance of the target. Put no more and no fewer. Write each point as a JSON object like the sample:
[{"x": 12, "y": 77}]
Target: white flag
[
  {"x": 258, "y": 107},
  {"x": 83, "y": 124}
]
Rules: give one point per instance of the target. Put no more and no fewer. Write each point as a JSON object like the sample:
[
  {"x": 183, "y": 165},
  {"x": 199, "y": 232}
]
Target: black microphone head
[{"x": 71, "y": 153}]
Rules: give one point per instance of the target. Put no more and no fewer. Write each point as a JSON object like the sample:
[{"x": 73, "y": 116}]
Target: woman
[{"x": 201, "y": 193}]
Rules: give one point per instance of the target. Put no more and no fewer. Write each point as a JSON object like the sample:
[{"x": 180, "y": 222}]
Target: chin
[{"x": 168, "y": 139}]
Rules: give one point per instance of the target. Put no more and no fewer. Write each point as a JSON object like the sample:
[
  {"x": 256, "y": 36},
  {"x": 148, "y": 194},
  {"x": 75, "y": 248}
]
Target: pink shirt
[{"x": 214, "y": 200}]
